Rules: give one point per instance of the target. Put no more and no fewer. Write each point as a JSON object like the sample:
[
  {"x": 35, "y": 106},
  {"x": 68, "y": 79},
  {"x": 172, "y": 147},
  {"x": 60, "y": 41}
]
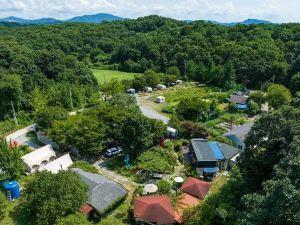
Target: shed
[
  {"x": 38, "y": 158},
  {"x": 62, "y": 163},
  {"x": 103, "y": 192},
  {"x": 160, "y": 99},
  {"x": 161, "y": 87},
  {"x": 195, "y": 187},
  {"x": 154, "y": 209}
]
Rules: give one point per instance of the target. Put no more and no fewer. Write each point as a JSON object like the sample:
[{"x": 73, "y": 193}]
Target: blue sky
[{"x": 219, "y": 10}]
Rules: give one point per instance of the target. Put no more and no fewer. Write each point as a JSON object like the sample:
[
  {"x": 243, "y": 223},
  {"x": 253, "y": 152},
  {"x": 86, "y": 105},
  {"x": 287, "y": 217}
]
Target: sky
[{"x": 217, "y": 10}]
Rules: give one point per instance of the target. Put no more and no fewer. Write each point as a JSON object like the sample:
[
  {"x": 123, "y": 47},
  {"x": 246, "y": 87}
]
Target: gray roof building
[
  {"x": 238, "y": 98},
  {"x": 103, "y": 192},
  {"x": 228, "y": 150},
  {"x": 238, "y": 135},
  {"x": 202, "y": 150}
]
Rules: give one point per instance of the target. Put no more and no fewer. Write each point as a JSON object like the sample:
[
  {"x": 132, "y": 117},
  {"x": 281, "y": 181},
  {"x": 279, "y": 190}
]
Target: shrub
[
  {"x": 85, "y": 166},
  {"x": 164, "y": 187}
]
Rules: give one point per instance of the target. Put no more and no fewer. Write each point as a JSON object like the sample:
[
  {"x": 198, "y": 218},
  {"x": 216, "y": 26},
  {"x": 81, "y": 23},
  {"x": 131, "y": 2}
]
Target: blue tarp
[
  {"x": 210, "y": 170},
  {"x": 216, "y": 150},
  {"x": 242, "y": 106}
]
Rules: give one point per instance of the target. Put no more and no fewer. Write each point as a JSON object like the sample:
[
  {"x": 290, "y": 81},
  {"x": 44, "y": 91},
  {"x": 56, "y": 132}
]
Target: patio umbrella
[
  {"x": 178, "y": 180},
  {"x": 150, "y": 188}
]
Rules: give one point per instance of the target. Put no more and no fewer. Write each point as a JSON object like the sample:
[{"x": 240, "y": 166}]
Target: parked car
[{"x": 113, "y": 151}]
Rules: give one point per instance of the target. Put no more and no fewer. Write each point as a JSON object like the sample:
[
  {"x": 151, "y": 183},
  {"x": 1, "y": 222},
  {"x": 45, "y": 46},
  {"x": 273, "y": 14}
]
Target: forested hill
[
  {"x": 257, "y": 52},
  {"x": 56, "y": 54}
]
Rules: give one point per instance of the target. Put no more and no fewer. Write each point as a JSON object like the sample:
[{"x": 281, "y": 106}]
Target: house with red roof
[
  {"x": 195, "y": 187},
  {"x": 154, "y": 209}
]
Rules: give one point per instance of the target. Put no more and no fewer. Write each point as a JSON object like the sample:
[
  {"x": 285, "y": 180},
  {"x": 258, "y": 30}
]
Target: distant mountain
[
  {"x": 13, "y": 19},
  {"x": 246, "y": 22},
  {"x": 97, "y": 18}
]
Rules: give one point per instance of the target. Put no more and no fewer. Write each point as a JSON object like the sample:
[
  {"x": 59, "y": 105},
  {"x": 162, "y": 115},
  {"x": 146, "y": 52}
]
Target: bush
[
  {"x": 177, "y": 147},
  {"x": 164, "y": 187}
]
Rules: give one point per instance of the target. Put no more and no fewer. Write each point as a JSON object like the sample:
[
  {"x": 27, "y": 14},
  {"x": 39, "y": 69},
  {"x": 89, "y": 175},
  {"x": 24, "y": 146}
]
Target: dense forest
[{"x": 53, "y": 57}]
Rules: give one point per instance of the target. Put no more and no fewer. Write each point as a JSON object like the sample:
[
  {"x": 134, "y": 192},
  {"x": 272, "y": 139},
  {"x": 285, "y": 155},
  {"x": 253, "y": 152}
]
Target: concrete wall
[
  {"x": 19, "y": 133},
  {"x": 45, "y": 140}
]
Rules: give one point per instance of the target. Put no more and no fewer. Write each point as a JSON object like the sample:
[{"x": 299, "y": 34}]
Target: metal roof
[
  {"x": 202, "y": 150},
  {"x": 103, "y": 192},
  {"x": 240, "y": 131},
  {"x": 216, "y": 150},
  {"x": 228, "y": 150}
]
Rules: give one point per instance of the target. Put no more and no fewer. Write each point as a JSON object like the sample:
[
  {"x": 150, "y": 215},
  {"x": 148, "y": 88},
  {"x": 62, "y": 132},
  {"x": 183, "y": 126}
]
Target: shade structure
[
  {"x": 178, "y": 180},
  {"x": 154, "y": 209},
  {"x": 196, "y": 187},
  {"x": 150, "y": 188}
]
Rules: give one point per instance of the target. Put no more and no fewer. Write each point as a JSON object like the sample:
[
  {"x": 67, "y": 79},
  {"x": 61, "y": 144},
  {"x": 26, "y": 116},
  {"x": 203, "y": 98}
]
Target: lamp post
[{"x": 178, "y": 181}]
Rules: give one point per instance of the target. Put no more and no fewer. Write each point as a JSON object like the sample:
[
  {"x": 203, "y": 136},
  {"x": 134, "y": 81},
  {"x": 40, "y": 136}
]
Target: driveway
[{"x": 145, "y": 105}]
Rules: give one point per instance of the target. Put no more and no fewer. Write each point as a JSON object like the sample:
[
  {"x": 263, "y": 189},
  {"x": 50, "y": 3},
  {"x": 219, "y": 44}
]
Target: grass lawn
[{"x": 106, "y": 75}]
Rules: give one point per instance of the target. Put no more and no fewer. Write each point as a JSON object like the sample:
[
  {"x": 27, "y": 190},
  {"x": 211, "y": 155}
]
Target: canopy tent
[
  {"x": 62, "y": 163},
  {"x": 196, "y": 187},
  {"x": 35, "y": 159},
  {"x": 154, "y": 209}
]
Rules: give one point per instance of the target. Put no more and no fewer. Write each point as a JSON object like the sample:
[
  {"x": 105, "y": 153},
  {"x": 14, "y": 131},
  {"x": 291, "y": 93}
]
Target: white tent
[
  {"x": 35, "y": 159},
  {"x": 62, "y": 163},
  {"x": 161, "y": 87}
]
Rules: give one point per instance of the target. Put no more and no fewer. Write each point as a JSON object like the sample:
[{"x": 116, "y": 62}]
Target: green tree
[
  {"x": 11, "y": 91},
  {"x": 278, "y": 95},
  {"x": 11, "y": 164},
  {"x": 38, "y": 100},
  {"x": 49, "y": 197},
  {"x": 253, "y": 108},
  {"x": 137, "y": 133},
  {"x": 295, "y": 82},
  {"x": 4, "y": 205},
  {"x": 111, "y": 220},
  {"x": 112, "y": 87},
  {"x": 83, "y": 131},
  {"x": 151, "y": 78},
  {"x": 164, "y": 187},
  {"x": 73, "y": 219},
  {"x": 173, "y": 70},
  {"x": 189, "y": 129},
  {"x": 45, "y": 116}
]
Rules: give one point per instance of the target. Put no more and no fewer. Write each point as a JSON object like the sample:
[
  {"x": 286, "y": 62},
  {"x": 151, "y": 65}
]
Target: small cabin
[
  {"x": 131, "y": 91},
  {"x": 160, "y": 99},
  {"x": 148, "y": 89},
  {"x": 161, "y": 87}
]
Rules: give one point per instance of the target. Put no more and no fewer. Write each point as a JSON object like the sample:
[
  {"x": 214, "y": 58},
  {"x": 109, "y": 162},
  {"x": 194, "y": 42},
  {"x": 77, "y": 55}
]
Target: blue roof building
[{"x": 210, "y": 157}]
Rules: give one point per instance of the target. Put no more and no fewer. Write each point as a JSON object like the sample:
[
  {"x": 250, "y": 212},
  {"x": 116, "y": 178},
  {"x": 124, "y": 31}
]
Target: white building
[
  {"x": 38, "y": 158},
  {"x": 62, "y": 163},
  {"x": 148, "y": 89}
]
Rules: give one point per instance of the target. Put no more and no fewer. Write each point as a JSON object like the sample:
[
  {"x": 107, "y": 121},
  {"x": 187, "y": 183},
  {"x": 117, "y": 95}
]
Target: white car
[{"x": 113, "y": 151}]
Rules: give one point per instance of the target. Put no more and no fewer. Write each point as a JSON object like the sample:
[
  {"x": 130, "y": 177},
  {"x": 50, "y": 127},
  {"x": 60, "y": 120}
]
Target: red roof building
[
  {"x": 184, "y": 201},
  {"x": 86, "y": 209},
  {"x": 197, "y": 188},
  {"x": 154, "y": 209}
]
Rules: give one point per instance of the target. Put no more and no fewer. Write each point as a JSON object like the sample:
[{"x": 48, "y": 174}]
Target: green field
[{"x": 106, "y": 75}]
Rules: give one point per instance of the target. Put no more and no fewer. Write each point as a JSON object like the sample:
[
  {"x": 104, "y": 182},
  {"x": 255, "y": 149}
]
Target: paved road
[{"x": 148, "y": 111}]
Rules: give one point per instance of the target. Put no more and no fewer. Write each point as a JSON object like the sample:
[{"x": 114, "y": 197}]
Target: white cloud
[{"x": 220, "y": 10}]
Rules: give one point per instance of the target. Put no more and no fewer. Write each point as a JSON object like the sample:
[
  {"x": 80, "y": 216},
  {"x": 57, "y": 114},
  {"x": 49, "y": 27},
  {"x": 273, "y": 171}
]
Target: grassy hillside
[{"x": 106, "y": 75}]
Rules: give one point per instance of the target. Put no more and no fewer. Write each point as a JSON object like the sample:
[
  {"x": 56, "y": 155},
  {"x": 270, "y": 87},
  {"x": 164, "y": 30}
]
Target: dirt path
[{"x": 148, "y": 110}]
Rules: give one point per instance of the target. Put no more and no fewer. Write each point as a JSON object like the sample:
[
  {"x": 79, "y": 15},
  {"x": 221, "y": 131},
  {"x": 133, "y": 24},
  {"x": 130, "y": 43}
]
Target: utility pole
[
  {"x": 14, "y": 113},
  {"x": 273, "y": 79},
  {"x": 71, "y": 99}
]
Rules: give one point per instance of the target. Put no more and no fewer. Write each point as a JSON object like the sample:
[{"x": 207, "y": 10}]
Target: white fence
[{"x": 19, "y": 133}]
